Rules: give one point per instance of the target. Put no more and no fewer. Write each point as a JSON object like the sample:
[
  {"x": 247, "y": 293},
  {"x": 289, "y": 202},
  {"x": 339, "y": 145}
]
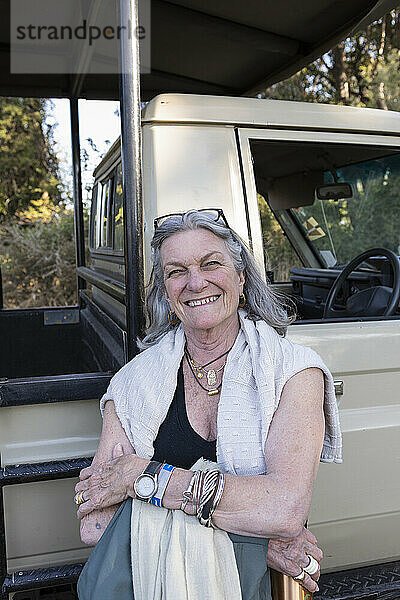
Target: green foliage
[
  {"x": 278, "y": 252},
  {"x": 370, "y": 219},
  {"x": 360, "y": 71},
  {"x": 37, "y": 249},
  {"x": 38, "y": 262},
  {"x": 363, "y": 70},
  {"x": 28, "y": 164}
]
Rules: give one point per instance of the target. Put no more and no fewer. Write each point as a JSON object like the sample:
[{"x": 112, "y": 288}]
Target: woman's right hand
[{"x": 290, "y": 557}]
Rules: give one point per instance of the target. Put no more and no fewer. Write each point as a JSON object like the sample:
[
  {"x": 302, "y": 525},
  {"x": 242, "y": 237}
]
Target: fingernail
[{"x": 317, "y": 590}]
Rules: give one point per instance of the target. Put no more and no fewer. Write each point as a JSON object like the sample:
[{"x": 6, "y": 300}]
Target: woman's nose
[{"x": 195, "y": 281}]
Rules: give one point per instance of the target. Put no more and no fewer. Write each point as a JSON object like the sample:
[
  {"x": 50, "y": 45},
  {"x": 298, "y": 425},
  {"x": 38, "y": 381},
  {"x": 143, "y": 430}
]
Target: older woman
[{"x": 217, "y": 379}]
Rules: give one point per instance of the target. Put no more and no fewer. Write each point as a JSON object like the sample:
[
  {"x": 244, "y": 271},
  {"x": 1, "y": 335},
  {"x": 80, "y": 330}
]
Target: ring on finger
[
  {"x": 78, "y": 498},
  {"x": 300, "y": 577},
  {"x": 312, "y": 566}
]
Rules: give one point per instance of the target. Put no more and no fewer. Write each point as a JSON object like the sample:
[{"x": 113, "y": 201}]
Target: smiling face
[{"x": 201, "y": 282}]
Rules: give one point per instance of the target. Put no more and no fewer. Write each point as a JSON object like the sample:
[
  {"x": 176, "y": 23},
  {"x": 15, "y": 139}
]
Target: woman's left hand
[
  {"x": 291, "y": 556},
  {"x": 109, "y": 483}
]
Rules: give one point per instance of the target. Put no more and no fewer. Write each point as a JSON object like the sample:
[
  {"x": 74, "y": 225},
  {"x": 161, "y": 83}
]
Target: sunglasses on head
[{"x": 215, "y": 213}]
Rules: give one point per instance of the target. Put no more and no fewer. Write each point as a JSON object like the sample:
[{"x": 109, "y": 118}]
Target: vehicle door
[{"x": 355, "y": 511}]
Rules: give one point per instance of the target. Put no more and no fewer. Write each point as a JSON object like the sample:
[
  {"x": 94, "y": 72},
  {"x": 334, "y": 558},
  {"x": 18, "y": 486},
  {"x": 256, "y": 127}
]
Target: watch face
[{"x": 145, "y": 486}]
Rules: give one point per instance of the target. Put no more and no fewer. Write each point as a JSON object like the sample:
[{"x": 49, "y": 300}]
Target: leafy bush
[
  {"x": 37, "y": 260},
  {"x": 28, "y": 163},
  {"x": 279, "y": 254}
]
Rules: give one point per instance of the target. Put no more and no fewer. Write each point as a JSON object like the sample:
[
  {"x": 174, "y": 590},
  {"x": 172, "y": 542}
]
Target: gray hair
[{"x": 262, "y": 302}]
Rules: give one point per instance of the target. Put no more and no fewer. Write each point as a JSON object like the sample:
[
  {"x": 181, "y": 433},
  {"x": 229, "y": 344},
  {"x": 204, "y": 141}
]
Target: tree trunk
[
  {"x": 381, "y": 100},
  {"x": 339, "y": 74}
]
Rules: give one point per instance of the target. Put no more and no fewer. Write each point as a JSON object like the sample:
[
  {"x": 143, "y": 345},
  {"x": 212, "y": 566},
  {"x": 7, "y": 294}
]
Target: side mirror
[{"x": 334, "y": 191}]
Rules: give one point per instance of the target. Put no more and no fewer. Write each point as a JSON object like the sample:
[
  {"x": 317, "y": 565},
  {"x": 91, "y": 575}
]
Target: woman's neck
[{"x": 205, "y": 344}]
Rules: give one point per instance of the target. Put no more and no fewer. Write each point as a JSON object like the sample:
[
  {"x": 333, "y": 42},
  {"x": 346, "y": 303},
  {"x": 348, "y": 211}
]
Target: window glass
[
  {"x": 279, "y": 255},
  {"x": 118, "y": 212},
  {"x": 342, "y": 197},
  {"x": 99, "y": 203},
  {"x": 93, "y": 218},
  {"x": 346, "y": 227},
  {"x": 104, "y": 238},
  {"x": 104, "y": 209}
]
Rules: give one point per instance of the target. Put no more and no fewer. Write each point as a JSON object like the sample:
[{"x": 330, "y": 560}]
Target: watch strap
[{"x": 153, "y": 468}]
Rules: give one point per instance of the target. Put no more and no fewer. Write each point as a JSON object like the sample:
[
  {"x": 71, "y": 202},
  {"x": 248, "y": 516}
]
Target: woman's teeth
[{"x": 203, "y": 301}]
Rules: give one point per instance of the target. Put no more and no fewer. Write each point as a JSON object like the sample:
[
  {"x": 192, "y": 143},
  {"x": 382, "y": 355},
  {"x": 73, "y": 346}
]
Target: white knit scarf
[
  {"x": 257, "y": 368},
  {"x": 172, "y": 555}
]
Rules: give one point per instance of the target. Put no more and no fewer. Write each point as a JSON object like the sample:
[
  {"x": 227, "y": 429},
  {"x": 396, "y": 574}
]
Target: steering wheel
[{"x": 381, "y": 299}]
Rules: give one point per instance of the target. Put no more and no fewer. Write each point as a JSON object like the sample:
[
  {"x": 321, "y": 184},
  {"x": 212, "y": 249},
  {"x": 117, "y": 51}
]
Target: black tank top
[{"x": 177, "y": 443}]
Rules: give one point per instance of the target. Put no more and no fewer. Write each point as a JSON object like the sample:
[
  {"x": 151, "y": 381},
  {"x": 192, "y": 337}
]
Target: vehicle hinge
[{"x": 61, "y": 317}]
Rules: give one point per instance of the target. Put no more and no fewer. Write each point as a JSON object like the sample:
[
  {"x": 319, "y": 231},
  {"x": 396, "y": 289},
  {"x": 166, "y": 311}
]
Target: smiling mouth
[{"x": 202, "y": 301}]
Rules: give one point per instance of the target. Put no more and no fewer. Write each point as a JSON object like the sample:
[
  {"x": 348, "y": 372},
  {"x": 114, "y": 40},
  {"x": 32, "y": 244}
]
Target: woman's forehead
[{"x": 191, "y": 244}]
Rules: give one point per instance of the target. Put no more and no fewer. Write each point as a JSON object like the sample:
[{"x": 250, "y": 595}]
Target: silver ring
[
  {"x": 312, "y": 566},
  {"x": 301, "y": 576}
]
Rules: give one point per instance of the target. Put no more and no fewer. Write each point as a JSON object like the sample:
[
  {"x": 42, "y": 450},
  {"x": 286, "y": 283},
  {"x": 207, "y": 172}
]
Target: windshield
[{"x": 341, "y": 229}]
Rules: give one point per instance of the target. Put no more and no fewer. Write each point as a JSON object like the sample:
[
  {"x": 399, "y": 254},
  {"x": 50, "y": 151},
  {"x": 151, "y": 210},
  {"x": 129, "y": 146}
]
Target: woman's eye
[
  {"x": 211, "y": 263},
  {"x": 174, "y": 272}
]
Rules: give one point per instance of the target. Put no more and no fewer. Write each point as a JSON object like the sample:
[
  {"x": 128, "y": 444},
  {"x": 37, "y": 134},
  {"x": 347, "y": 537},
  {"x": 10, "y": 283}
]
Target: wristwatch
[{"x": 146, "y": 485}]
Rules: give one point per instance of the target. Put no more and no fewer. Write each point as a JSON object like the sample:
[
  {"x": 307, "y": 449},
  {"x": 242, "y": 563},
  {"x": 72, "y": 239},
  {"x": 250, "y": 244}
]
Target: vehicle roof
[
  {"x": 220, "y": 110},
  {"x": 226, "y": 47},
  {"x": 256, "y": 112}
]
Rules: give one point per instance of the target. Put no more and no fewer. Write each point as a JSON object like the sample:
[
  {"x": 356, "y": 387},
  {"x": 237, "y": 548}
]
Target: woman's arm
[
  {"x": 274, "y": 505},
  {"x": 93, "y": 525},
  {"x": 277, "y": 504}
]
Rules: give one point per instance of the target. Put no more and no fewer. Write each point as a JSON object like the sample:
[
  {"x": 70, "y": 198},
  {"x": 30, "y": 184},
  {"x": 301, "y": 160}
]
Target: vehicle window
[
  {"x": 344, "y": 198},
  {"x": 106, "y": 206},
  {"x": 279, "y": 254},
  {"x": 118, "y": 212},
  {"x": 102, "y": 218},
  {"x": 93, "y": 218},
  {"x": 370, "y": 218}
]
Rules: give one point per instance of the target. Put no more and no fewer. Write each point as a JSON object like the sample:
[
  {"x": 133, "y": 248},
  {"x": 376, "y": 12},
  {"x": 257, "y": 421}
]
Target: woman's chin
[{"x": 204, "y": 321}]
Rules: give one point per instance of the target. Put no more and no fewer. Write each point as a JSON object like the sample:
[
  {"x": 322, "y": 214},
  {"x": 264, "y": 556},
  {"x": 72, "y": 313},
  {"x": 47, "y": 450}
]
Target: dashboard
[{"x": 311, "y": 286}]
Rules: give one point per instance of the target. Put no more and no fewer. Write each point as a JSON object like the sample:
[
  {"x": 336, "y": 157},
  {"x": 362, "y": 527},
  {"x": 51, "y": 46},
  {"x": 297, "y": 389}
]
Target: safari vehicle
[
  {"x": 326, "y": 178},
  {"x": 332, "y": 191}
]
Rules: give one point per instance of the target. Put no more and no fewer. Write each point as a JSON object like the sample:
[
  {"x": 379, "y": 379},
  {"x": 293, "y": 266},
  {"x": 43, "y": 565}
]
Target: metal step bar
[
  {"x": 39, "y": 578},
  {"x": 28, "y": 473},
  {"x": 376, "y": 582}
]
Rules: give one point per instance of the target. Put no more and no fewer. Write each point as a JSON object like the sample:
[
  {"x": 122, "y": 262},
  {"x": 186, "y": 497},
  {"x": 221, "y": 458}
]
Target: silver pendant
[{"x": 211, "y": 377}]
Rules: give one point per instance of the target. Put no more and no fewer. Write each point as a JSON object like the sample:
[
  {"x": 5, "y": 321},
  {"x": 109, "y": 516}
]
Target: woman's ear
[{"x": 242, "y": 279}]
